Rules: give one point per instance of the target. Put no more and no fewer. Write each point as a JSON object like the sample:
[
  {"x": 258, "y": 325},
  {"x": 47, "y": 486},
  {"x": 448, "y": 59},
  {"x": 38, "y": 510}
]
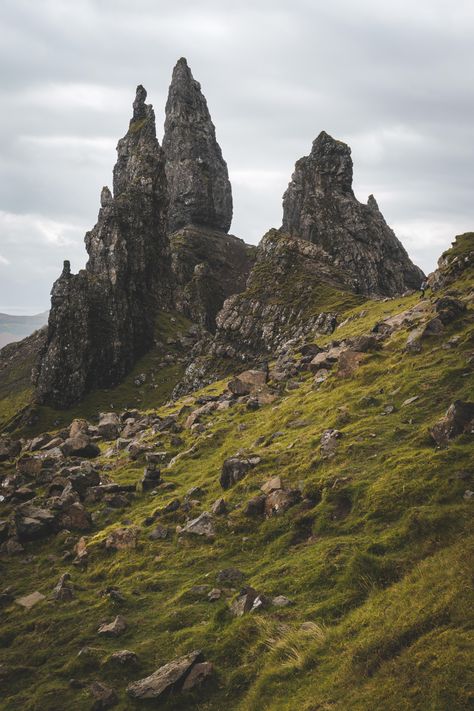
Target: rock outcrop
[
  {"x": 198, "y": 182},
  {"x": 320, "y": 206},
  {"x": 102, "y": 319},
  {"x": 208, "y": 267}
]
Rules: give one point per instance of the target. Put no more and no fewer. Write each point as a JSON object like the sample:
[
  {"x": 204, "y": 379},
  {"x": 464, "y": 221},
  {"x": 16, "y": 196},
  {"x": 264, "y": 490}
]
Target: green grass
[{"x": 378, "y": 563}]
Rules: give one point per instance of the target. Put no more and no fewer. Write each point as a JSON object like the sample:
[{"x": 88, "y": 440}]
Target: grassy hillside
[{"x": 377, "y": 559}]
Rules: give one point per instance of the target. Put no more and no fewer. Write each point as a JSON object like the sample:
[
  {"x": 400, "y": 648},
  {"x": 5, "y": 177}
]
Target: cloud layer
[{"x": 393, "y": 79}]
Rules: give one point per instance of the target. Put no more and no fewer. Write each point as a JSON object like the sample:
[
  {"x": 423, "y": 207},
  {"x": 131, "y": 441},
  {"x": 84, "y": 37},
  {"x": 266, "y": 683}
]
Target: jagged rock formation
[
  {"x": 102, "y": 319},
  {"x": 286, "y": 297},
  {"x": 198, "y": 182},
  {"x": 208, "y": 267},
  {"x": 320, "y": 206}
]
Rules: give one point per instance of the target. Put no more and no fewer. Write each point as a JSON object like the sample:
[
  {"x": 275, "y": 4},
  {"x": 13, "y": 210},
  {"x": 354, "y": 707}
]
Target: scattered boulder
[
  {"x": 247, "y": 382},
  {"x": 235, "y": 468},
  {"x": 159, "y": 533},
  {"x": 109, "y": 425},
  {"x": 168, "y": 679},
  {"x": 114, "y": 628},
  {"x": 151, "y": 477},
  {"x": 28, "y": 601},
  {"x": 80, "y": 446},
  {"x": 104, "y": 696},
  {"x": 255, "y": 506},
  {"x": 219, "y": 507},
  {"x": 272, "y": 485},
  {"x": 75, "y": 518},
  {"x": 78, "y": 426},
  {"x": 28, "y": 465},
  {"x": 448, "y": 309},
  {"x": 280, "y": 500},
  {"x": 64, "y": 589},
  {"x": 459, "y": 419},
  {"x": 124, "y": 657},
  {"x": 122, "y": 539},
  {"x": 200, "y": 526},
  {"x": 244, "y": 602},
  {"x": 281, "y": 601},
  {"x": 329, "y": 442}
]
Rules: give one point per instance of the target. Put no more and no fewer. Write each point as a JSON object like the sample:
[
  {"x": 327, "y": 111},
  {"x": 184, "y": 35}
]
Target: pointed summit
[
  {"x": 198, "y": 182},
  {"x": 320, "y": 206}
]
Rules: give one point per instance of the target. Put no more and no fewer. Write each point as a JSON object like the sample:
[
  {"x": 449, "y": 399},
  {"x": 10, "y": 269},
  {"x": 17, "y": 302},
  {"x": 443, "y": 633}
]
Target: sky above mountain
[{"x": 392, "y": 79}]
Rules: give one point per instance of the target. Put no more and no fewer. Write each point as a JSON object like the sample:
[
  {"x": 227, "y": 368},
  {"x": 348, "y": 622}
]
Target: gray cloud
[{"x": 392, "y": 79}]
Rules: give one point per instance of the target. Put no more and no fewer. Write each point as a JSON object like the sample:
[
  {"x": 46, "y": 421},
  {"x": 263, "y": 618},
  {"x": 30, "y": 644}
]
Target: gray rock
[
  {"x": 168, "y": 679},
  {"x": 459, "y": 419},
  {"x": 198, "y": 184},
  {"x": 201, "y": 526},
  {"x": 319, "y": 206},
  {"x": 235, "y": 468},
  {"x": 102, "y": 319}
]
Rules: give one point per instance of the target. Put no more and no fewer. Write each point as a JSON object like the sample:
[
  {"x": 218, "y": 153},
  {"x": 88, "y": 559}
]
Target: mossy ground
[{"x": 380, "y": 565}]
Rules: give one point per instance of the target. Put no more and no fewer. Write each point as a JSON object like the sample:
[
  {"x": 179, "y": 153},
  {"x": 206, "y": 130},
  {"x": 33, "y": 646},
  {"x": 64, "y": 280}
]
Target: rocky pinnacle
[
  {"x": 102, "y": 319},
  {"x": 198, "y": 183},
  {"x": 320, "y": 206}
]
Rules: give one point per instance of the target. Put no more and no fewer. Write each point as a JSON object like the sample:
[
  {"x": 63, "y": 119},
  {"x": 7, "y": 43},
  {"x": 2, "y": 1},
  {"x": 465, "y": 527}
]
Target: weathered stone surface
[
  {"x": 80, "y": 446},
  {"x": 201, "y": 526},
  {"x": 114, "y": 628},
  {"x": 28, "y": 601},
  {"x": 329, "y": 442},
  {"x": 247, "y": 382},
  {"x": 208, "y": 267},
  {"x": 280, "y": 500},
  {"x": 235, "y": 468},
  {"x": 64, "y": 589},
  {"x": 167, "y": 679},
  {"x": 109, "y": 425},
  {"x": 198, "y": 182},
  {"x": 102, "y": 319},
  {"x": 459, "y": 419},
  {"x": 104, "y": 696},
  {"x": 319, "y": 206},
  {"x": 122, "y": 538}
]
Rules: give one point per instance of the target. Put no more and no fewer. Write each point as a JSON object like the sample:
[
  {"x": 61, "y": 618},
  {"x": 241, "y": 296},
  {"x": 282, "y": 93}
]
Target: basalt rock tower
[
  {"x": 198, "y": 182},
  {"x": 102, "y": 319},
  {"x": 320, "y": 206}
]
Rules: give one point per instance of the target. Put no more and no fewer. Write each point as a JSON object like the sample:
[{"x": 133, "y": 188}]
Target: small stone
[
  {"x": 114, "y": 628},
  {"x": 281, "y": 601},
  {"x": 167, "y": 679},
  {"x": 104, "y": 697},
  {"x": 200, "y": 526},
  {"x": 272, "y": 485},
  {"x": 214, "y": 594},
  {"x": 159, "y": 533}
]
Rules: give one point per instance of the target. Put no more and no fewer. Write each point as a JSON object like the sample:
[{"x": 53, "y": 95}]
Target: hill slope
[
  {"x": 14, "y": 328},
  {"x": 368, "y": 534}
]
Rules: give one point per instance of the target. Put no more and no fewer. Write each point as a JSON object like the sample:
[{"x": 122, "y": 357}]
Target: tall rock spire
[
  {"x": 198, "y": 183},
  {"x": 102, "y": 319},
  {"x": 319, "y": 205}
]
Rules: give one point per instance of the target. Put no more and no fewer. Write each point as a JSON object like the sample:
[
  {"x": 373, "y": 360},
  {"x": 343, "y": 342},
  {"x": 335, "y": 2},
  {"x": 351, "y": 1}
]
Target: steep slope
[
  {"x": 319, "y": 205},
  {"x": 354, "y": 562}
]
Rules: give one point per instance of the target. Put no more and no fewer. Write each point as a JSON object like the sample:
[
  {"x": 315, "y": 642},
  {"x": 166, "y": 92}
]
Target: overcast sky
[{"x": 394, "y": 79}]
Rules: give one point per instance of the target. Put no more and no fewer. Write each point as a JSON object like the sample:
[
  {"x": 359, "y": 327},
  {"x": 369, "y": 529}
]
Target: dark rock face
[
  {"x": 208, "y": 267},
  {"x": 198, "y": 183},
  {"x": 319, "y": 206},
  {"x": 102, "y": 319}
]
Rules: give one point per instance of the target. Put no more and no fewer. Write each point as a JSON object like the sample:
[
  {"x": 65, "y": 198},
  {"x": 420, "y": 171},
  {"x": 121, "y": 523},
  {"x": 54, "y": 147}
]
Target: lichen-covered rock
[
  {"x": 459, "y": 419},
  {"x": 198, "y": 182},
  {"x": 102, "y": 319},
  {"x": 320, "y": 206}
]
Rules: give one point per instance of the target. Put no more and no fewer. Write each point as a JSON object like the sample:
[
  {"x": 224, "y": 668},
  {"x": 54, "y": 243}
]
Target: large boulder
[
  {"x": 235, "y": 468},
  {"x": 109, "y": 425},
  {"x": 80, "y": 446},
  {"x": 459, "y": 419},
  {"x": 168, "y": 679}
]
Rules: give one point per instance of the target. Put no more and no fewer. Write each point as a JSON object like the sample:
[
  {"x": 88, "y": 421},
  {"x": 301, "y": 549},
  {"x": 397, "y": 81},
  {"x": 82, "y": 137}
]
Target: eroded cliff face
[
  {"x": 198, "y": 182},
  {"x": 102, "y": 319},
  {"x": 319, "y": 206}
]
